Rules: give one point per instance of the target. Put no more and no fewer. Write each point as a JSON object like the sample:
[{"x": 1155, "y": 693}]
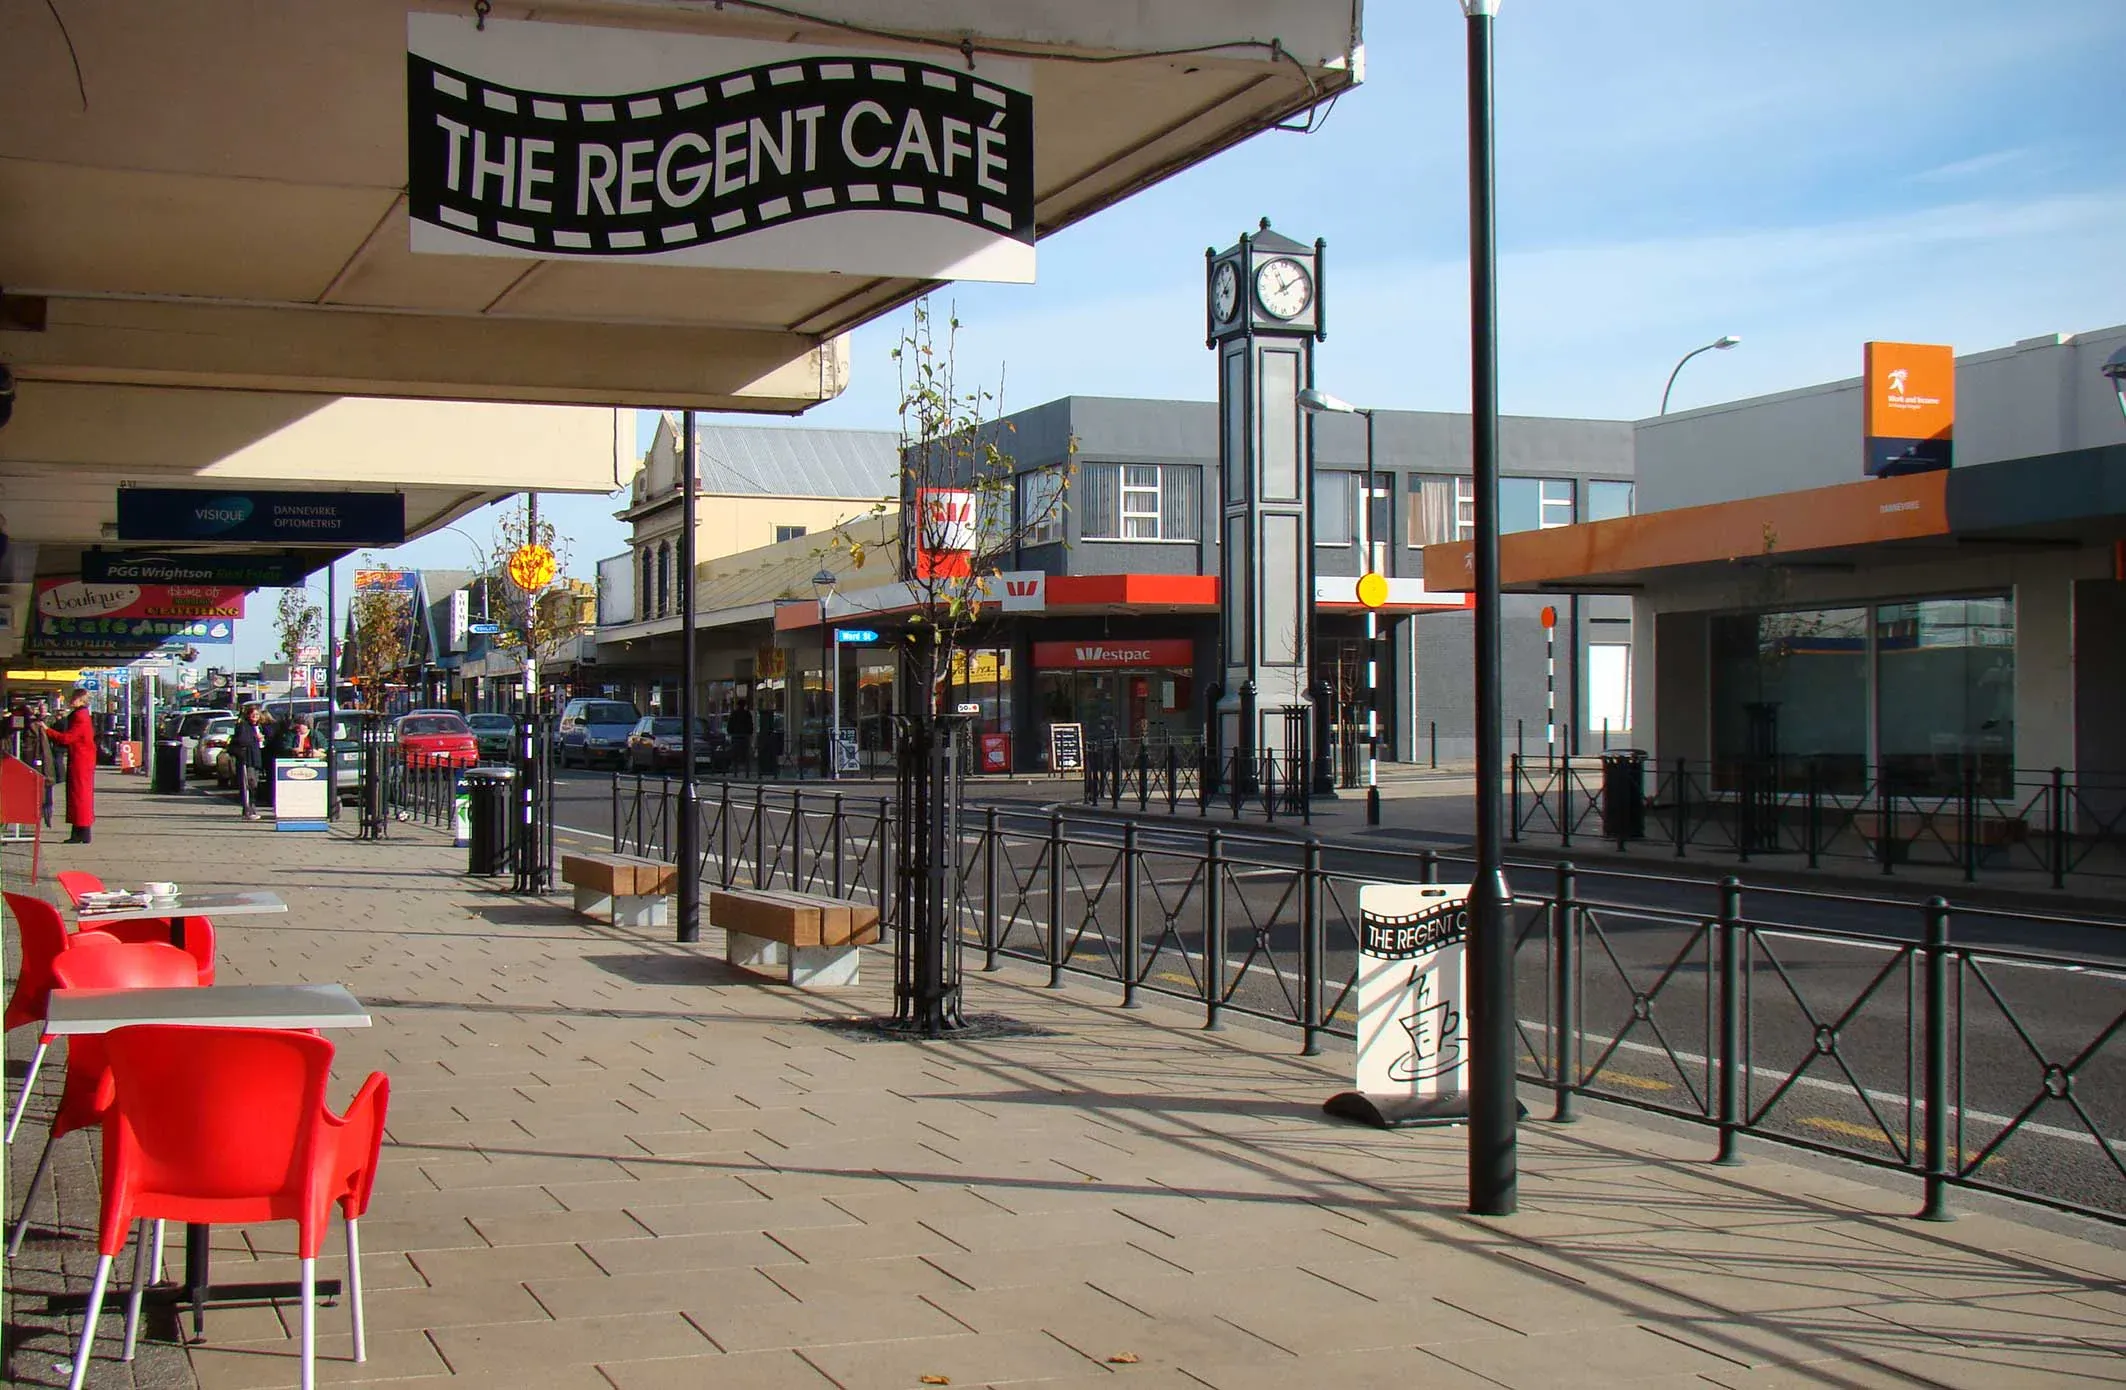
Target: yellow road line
[{"x": 1630, "y": 1082}]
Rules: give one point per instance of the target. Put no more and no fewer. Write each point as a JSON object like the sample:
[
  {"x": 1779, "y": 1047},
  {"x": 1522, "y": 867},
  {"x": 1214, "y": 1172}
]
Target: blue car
[{"x": 594, "y": 732}]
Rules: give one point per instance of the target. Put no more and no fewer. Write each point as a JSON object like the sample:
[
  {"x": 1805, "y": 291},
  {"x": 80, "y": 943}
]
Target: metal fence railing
[
  {"x": 1966, "y": 1047},
  {"x": 2056, "y": 823},
  {"x": 1268, "y": 785}
]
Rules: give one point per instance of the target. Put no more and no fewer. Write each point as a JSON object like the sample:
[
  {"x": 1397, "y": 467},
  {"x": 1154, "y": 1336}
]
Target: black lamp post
[
  {"x": 689, "y": 795},
  {"x": 1719, "y": 344},
  {"x": 1374, "y": 562},
  {"x": 1494, "y": 1160},
  {"x": 823, "y": 585}
]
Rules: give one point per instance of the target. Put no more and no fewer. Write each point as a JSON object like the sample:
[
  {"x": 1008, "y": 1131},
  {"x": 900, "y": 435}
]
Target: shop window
[
  {"x": 1041, "y": 504},
  {"x": 1441, "y": 509},
  {"x": 649, "y": 582},
  {"x": 1608, "y": 500},
  {"x": 1138, "y": 501},
  {"x": 1945, "y": 694},
  {"x": 1335, "y": 508},
  {"x": 664, "y": 580},
  {"x": 1533, "y": 504},
  {"x": 788, "y": 533}
]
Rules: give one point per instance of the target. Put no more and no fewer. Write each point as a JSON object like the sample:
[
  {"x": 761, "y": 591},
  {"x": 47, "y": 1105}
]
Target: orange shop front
[{"x": 1132, "y": 689}]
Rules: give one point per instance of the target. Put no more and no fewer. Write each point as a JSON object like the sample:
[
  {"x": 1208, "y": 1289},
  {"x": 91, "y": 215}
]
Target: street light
[
  {"x": 1719, "y": 344},
  {"x": 1494, "y": 1120},
  {"x": 1322, "y": 403},
  {"x": 2115, "y": 368},
  {"x": 823, "y": 584}
]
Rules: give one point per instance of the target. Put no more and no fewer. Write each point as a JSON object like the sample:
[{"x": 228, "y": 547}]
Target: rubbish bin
[
  {"x": 487, "y": 847},
  {"x": 1624, "y": 794},
  {"x": 169, "y": 765}
]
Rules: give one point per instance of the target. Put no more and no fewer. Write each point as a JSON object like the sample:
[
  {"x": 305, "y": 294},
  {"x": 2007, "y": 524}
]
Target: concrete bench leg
[
  {"x": 823, "y": 967},
  {"x": 638, "y": 912},
  {"x": 593, "y": 902},
  {"x": 753, "y": 952}
]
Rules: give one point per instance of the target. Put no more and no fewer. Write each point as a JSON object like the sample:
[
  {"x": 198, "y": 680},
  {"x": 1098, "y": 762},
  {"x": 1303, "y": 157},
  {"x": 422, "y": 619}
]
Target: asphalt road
[{"x": 1835, "y": 993}]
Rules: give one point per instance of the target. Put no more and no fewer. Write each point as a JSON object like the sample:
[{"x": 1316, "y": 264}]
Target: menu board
[{"x": 1066, "y": 747}]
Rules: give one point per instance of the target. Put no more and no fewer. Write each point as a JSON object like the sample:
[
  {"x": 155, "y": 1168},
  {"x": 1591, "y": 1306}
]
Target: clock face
[
  {"x": 1225, "y": 292},
  {"x": 1283, "y": 288}
]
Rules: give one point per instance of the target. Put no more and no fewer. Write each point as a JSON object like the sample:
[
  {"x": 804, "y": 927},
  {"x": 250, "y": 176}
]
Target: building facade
[
  {"x": 1921, "y": 634},
  {"x": 1109, "y": 619}
]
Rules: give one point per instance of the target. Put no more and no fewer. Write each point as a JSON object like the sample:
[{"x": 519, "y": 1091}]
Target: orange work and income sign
[
  {"x": 531, "y": 567},
  {"x": 1909, "y": 410},
  {"x": 1550, "y": 616},
  {"x": 1372, "y": 589}
]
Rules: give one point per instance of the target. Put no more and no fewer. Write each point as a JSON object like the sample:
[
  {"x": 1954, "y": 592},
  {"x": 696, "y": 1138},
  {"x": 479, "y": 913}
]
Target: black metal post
[
  {"x": 1493, "y": 1120},
  {"x": 1565, "y": 977},
  {"x": 1132, "y": 922},
  {"x": 1311, "y": 965},
  {"x": 689, "y": 820},
  {"x": 1731, "y": 943},
  {"x": 1936, "y": 959}
]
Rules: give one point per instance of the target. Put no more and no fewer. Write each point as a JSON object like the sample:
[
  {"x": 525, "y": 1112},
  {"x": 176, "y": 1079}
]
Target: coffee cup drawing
[{"x": 1435, "y": 1031}]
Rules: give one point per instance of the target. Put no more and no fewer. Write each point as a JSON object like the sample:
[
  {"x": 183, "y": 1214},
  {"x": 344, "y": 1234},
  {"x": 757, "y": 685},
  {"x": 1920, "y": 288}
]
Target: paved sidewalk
[{"x": 614, "y": 1163}]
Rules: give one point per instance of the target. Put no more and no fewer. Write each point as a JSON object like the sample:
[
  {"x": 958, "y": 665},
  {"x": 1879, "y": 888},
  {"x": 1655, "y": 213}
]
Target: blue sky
[{"x": 1807, "y": 174}]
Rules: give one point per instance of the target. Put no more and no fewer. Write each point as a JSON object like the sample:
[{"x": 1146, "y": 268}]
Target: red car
[{"x": 435, "y": 737}]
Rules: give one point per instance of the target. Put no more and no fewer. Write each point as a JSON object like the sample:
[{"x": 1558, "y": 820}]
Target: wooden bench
[
  {"x": 1993, "y": 832},
  {"x": 630, "y": 891},
  {"x": 810, "y": 936}
]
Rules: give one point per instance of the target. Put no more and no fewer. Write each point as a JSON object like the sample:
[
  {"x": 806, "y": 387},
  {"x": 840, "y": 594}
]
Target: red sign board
[
  {"x": 1154, "y": 651},
  {"x": 996, "y": 752},
  {"x": 945, "y": 532},
  {"x": 70, "y": 598}
]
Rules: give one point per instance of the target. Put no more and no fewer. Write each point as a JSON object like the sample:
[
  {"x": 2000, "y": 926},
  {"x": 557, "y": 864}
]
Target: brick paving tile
[
  {"x": 615, "y": 1163},
  {"x": 584, "y": 1340}
]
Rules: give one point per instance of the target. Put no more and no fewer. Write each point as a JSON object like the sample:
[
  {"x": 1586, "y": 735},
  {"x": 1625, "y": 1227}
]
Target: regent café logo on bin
[{"x": 566, "y": 141}]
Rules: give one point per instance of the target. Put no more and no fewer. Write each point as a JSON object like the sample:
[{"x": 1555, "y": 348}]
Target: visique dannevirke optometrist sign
[{"x": 566, "y": 141}]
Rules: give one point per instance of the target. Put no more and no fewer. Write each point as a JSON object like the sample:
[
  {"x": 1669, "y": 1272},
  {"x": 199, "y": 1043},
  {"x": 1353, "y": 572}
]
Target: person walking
[
  {"x": 76, "y": 734},
  {"x": 740, "y": 727},
  {"x": 247, "y": 746}
]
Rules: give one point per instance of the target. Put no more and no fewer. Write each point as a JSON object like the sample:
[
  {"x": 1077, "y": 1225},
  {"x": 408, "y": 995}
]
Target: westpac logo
[{"x": 1024, "y": 591}]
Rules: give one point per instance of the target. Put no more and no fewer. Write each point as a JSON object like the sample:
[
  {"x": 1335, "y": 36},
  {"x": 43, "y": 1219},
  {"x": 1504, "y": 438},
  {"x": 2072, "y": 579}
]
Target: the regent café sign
[{"x": 563, "y": 141}]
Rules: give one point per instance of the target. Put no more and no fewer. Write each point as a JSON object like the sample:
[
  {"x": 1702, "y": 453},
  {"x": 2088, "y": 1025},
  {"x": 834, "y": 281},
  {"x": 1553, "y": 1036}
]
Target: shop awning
[{"x": 2044, "y": 502}]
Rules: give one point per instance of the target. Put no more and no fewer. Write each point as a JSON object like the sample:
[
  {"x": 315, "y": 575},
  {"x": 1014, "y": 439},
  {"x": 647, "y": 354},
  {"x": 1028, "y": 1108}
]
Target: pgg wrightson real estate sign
[{"x": 570, "y": 142}]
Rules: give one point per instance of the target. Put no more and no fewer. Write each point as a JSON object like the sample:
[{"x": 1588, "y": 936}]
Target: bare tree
[
  {"x": 964, "y": 515},
  {"x": 296, "y": 622},
  {"x": 380, "y": 621},
  {"x": 527, "y": 623}
]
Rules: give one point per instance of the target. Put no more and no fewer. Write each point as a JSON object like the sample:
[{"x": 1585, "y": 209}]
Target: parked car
[
  {"x": 187, "y": 725},
  {"x": 214, "y": 736},
  {"x": 428, "y": 735},
  {"x": 594, "y": 731},
  {"x": 495, "y": 733},
  {"x": 343, "y": 743},
  {"x": 655, "y": 744}
]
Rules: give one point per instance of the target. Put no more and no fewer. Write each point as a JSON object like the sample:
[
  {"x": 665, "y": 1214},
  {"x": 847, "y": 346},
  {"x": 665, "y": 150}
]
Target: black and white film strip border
[{"x": 649, "y": 105}]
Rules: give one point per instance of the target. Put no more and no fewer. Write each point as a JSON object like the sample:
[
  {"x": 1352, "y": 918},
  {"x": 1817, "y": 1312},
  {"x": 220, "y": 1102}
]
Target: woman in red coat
[{"x": 76, "y": 733}]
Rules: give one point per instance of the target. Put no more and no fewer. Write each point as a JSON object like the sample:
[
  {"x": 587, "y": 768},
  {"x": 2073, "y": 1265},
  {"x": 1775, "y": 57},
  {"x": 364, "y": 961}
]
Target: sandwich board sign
[{"x": 1413, "y": 1046}]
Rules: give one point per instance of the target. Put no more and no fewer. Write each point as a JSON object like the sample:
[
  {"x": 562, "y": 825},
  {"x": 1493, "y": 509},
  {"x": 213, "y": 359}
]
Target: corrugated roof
[
  {"x": 750, "y": 460},
  {"x": 786, "y": 570}
]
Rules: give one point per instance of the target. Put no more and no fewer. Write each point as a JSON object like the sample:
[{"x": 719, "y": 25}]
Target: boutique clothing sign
[{"x": 563, "y": 141}]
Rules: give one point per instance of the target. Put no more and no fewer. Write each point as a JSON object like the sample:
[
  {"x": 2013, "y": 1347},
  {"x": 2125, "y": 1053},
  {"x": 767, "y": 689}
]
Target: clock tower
[{"x": 1262, "y": 316}]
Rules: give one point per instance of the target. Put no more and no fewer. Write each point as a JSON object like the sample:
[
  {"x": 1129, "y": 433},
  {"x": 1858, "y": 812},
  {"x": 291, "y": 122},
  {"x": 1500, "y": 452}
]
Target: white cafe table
[
  {"x": 79, "y": 1011},
  {"x": 184, "y": 905}
]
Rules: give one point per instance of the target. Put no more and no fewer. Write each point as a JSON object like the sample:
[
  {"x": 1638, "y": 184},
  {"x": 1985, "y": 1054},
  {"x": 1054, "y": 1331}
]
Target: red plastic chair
[
  {"x": 199, "y": 931},
  {"x": 76, "y": 883},
  {"x": 44, "y": 936},
  {"x": 95, "y": 961},
  {"x": 230, "y": 1124},
  {"x": 22, "y": 803}
]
